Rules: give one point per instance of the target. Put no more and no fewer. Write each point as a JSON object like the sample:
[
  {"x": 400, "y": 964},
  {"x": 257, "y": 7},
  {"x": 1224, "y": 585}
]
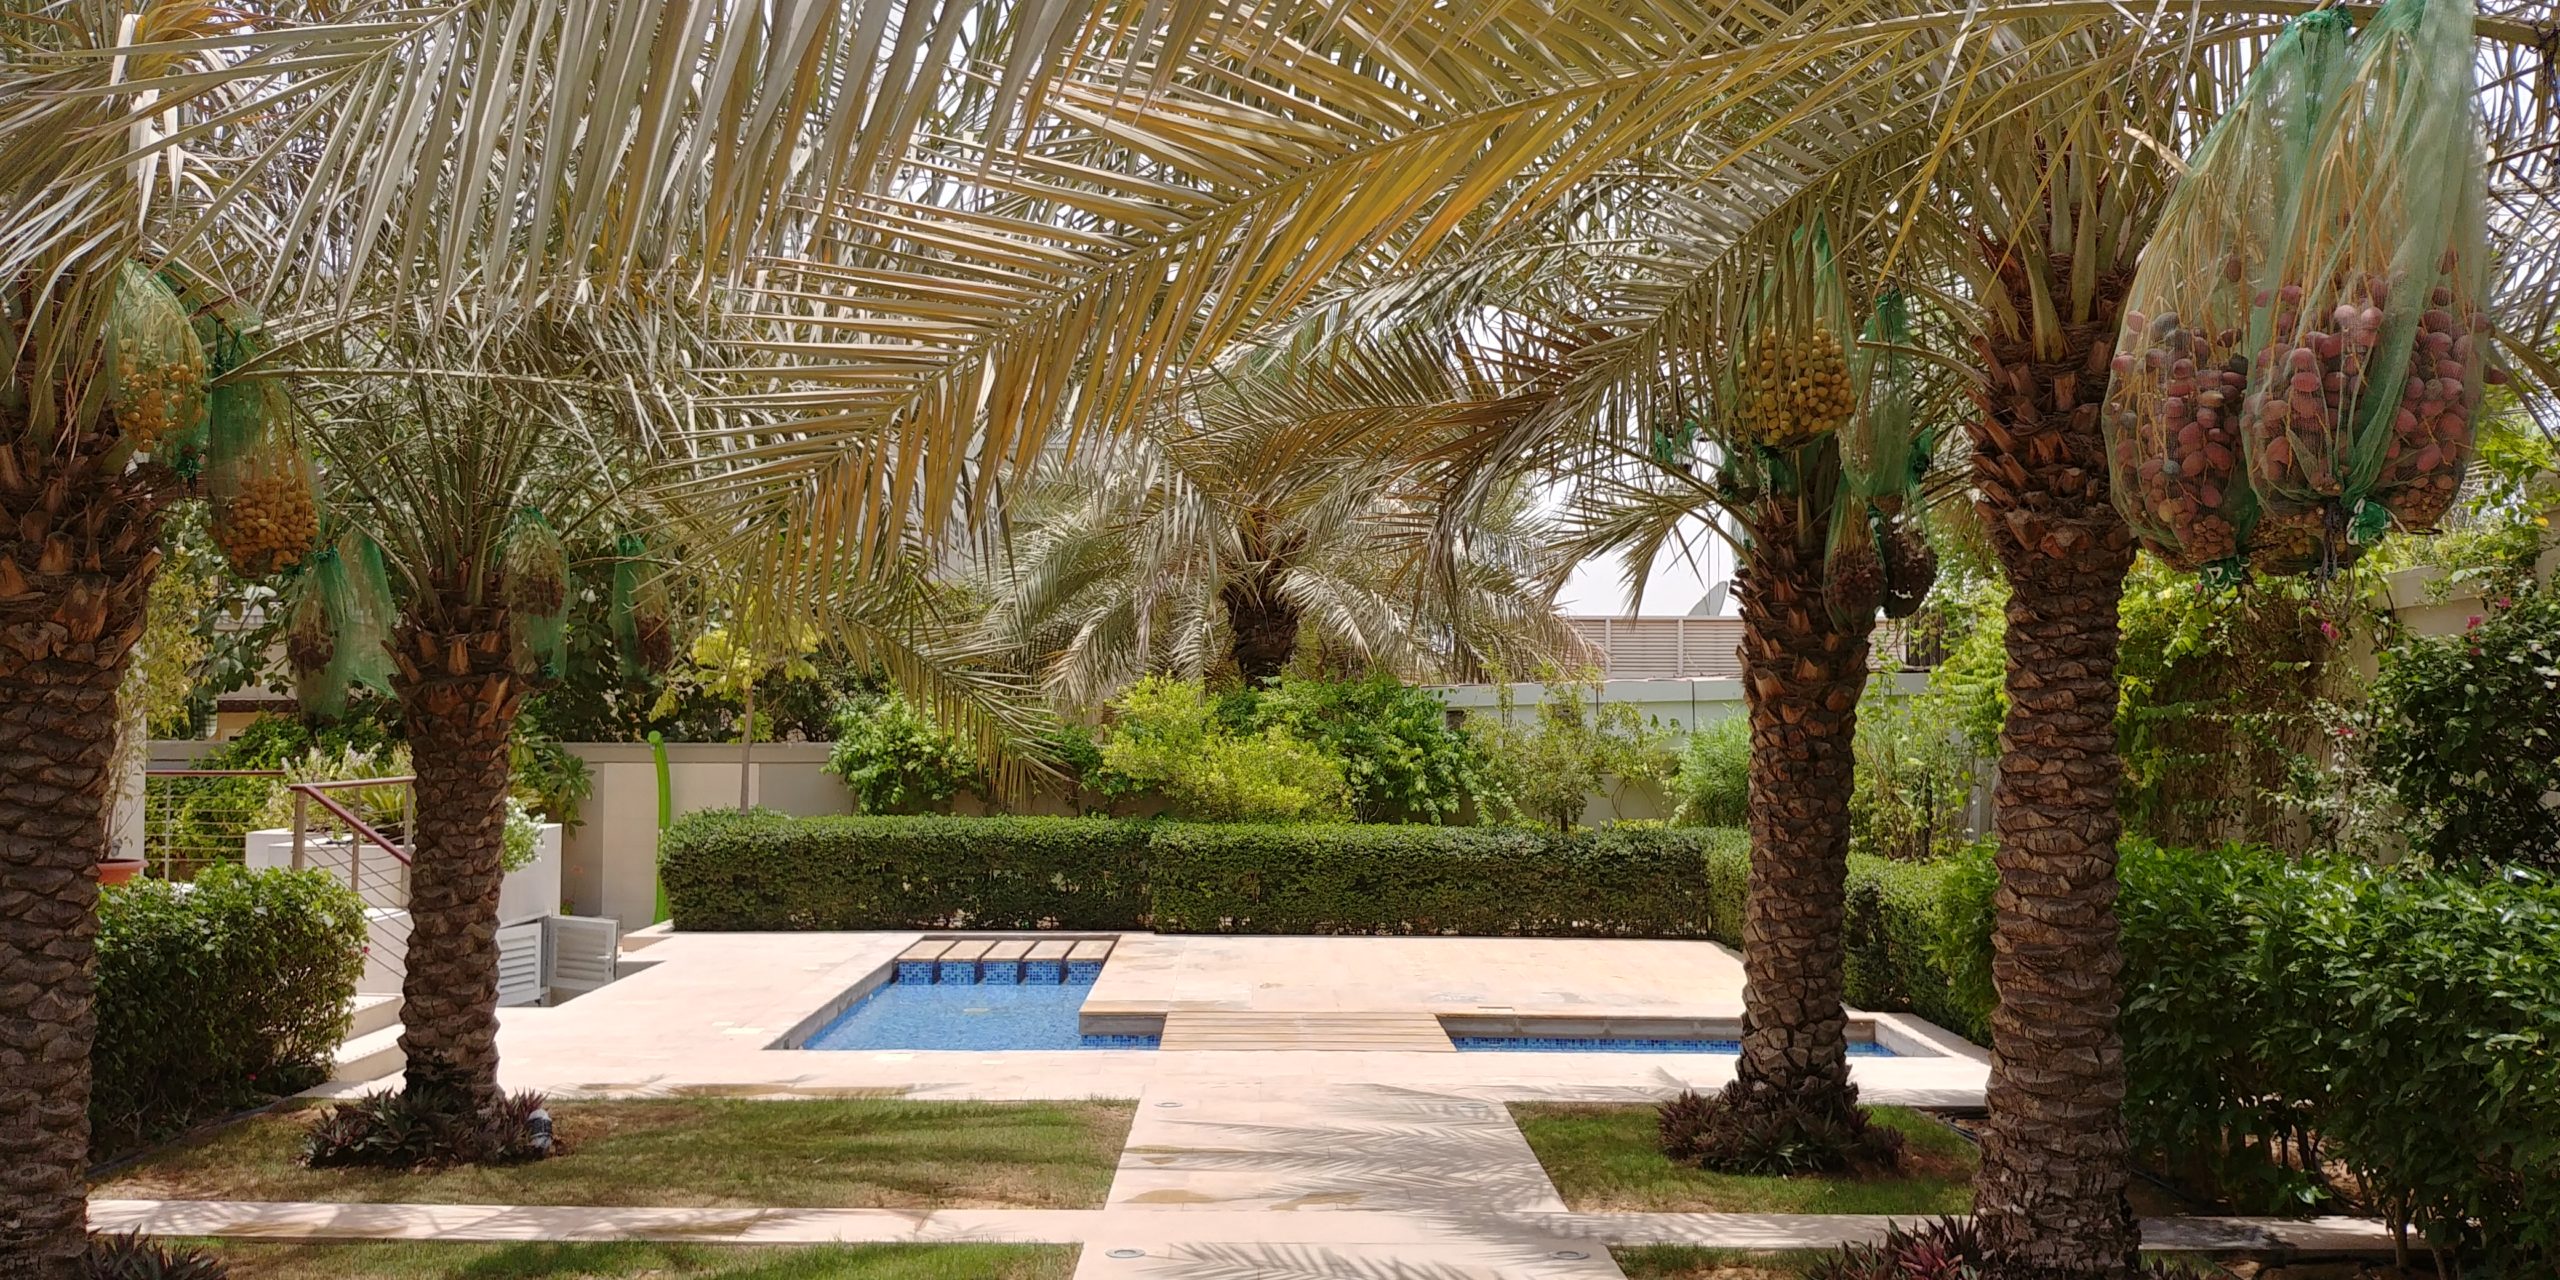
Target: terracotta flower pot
[{"x": 118, "y": 870}]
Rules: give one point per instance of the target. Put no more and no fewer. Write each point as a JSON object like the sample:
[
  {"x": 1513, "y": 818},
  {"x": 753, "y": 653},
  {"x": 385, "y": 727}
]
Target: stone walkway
[{"x": 1265, "y": 1163}]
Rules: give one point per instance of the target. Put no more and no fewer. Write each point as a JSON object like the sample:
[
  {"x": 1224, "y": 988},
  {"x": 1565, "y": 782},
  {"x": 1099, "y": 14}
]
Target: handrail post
[
  {"x": 355, "y": 863},
  {"x": 301, "y": 824}
]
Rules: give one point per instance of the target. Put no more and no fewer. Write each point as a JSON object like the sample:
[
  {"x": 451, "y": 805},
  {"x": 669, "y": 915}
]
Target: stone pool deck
[
  {"x": 1344, "y": 1161},
  {"x": 705, "y": 1014}
]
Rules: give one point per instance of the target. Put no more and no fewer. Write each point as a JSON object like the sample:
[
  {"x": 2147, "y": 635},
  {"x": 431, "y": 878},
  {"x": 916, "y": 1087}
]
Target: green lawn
[
  {"x": 833, "y": 1153},
  {"x": 1689, "y": 1262},
  {"x": 1604, "y": 1158},
  {"x": 427, "y": 1260}
]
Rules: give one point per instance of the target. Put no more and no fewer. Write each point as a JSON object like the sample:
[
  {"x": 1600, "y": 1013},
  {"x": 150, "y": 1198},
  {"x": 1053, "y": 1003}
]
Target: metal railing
[
  {"x": 389, "y": 859},
  {"x": 191, "y": 820}
]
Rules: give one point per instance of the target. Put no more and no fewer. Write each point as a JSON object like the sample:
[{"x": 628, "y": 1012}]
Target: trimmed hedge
[
  {"x": 1621, "y": 882},
  {"x": 761, "y": 870},
  {"x": 764, "y": 870},
  {"x": 216, "y": 994}
]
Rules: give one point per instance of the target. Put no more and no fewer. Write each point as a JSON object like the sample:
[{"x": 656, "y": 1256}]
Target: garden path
[{"x": 1352, "y": 1164}]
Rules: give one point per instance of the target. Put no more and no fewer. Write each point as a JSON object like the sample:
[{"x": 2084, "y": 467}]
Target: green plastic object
[
  {"x": 666, "y": 819},
  {"x": 2372, "y": 326},
  {"x": 2173, "y": 415},
  {"x": 533, "y": 577}
]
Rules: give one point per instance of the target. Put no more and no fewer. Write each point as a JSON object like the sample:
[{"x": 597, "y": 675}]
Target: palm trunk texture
[
  {"x": 1265, "y": 626},
  {"x": 78, "y": 550},
  {"x": 2051, "y": 1197},
  {"x": 459, "y": 698},
  {"x": 1803, "y": 672}
]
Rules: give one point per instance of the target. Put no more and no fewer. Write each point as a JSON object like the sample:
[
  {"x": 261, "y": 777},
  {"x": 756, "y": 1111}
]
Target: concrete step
[
  {"x": 370, "y": 1056},
  {"x": 371, "y": 1013},
  {"x": 1256, "y": 1030}
]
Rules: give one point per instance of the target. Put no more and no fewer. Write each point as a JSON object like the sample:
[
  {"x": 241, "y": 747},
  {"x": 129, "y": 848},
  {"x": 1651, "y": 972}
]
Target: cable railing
[{"x": 196, "y": 818}]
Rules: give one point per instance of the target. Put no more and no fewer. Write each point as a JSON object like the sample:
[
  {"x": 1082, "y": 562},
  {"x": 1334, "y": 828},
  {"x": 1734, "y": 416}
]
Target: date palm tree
[
  {"x": 296, "y": 156},
  {"x": 1271, "y": 503},
  {"x": 470, "y": 447}
]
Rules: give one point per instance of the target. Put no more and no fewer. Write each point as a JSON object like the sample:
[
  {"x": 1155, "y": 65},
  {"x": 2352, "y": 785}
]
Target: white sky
[{"x": 1600, "y": 587}]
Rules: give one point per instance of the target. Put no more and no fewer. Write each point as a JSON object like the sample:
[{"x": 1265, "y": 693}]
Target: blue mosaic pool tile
[
  {"x": 976, "y": 1017},
  {"x": 963, "y": 972},
  {"x": 1043, "y": 973},
  {"x": 1081, "y": 973},
  {"x": 915, "y": 971},
  {"x": 1002, "y": 973}
]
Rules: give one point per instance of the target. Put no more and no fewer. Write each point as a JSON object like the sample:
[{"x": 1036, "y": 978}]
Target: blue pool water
[
  {"x": 972, "y": 1015},
  {"x": 1609, "y": 1044}
]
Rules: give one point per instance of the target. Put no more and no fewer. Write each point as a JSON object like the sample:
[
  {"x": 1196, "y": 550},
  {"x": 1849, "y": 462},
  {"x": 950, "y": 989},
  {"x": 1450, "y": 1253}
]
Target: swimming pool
[{"x": 923, "y": 1014}]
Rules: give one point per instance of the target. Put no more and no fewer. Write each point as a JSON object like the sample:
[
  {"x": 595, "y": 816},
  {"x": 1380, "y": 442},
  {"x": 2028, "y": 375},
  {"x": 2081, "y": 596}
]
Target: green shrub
[
  {"x": 1400, "y": 759},
  {"x": 895, "y": 759},
  {"x": 216, "y": 994},
  {"x": 1918, "y": 939},
  {"x": 763, "y": 870},
  {"x": 1167, "y": 738},
  {"x": 1547, "y": 766},
  {"x": 2467, "y": 730},
  {"x": 1713, "y": 787},
  {"x": 1644, "y": 882}
]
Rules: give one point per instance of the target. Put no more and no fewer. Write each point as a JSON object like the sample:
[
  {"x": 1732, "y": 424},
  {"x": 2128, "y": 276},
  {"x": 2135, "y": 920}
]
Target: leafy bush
[
  {"x": 895, "y": 759},
  {"x": 1941, "y": 1250},
  {"x": 1422, "y": 880},
  {"x": 132, "y": 1257},
  {"x": 1569, "y": 749},
  {"x": 1919, "y": 939},
  {"x": 2467, "y": 729},
  {"x": 763, "y": 870},
  {"x": 1400, "y": 759},
  {"x": 1713, "y": 786},
  {"x": 427, "y": 1126},
  {"x": 1915, "y": 776},
  {"x": 216, "y": 994},
  {"x": 2403, "y": 1020},
  {"x": 1166, "y": 737},
  {"x": 386, "y": 808}
]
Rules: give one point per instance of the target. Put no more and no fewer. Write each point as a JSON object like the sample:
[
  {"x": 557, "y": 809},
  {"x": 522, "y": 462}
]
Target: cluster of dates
[
  {"x": 2177, "y": 435},
  {"x": 2340, "y": 404}
]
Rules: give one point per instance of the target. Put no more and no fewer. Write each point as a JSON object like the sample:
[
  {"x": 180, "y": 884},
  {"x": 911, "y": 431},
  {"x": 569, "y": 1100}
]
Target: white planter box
[{"x": 528, "y": 893}]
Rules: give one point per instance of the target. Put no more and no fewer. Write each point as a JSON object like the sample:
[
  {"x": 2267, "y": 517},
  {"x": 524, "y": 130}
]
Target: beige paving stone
[
  {"x": 929, "y": 949},
  {"x": 1362, "y": 1147},
  {"x": 1518, "y": 1259}
]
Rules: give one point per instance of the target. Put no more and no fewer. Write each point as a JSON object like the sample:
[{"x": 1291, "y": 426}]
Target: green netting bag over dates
[
  {"x": 337, "y": 636},
  {"x": 2181, "y": 365},
  {"x": 155, "y": 366},
  {"x": 1875, "y": 558},
  {"x": 533, "y": 581},
  {"x": 2368, "y": 350},
  {"x": 266, "y": 509}
]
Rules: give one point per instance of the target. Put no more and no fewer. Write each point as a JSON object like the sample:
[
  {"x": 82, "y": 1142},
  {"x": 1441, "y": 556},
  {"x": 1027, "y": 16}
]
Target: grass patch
[
  {"x": 429, "y": 1260},
  {"x": 1690, "y": 1262},
  {"x": 1604, "y": 1159},
  {"x": 694, "y": 1152}
]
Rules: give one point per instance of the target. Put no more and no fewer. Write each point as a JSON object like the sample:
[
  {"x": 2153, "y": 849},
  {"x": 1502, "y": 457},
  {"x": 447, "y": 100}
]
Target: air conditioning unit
[
  {"x": 520, "y": 964},
  {"x": 579, "y": 952}
]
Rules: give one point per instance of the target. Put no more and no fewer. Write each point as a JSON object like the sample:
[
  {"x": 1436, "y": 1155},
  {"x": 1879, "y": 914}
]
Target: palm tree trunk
[
  {"x": 2051, "y": 1197},
  {"x": 1803, "y": 672},
  {"x": 459, "y": 700},
  {"x": 1265, "y": 626},
  {"x": 78, "y": 551}
]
